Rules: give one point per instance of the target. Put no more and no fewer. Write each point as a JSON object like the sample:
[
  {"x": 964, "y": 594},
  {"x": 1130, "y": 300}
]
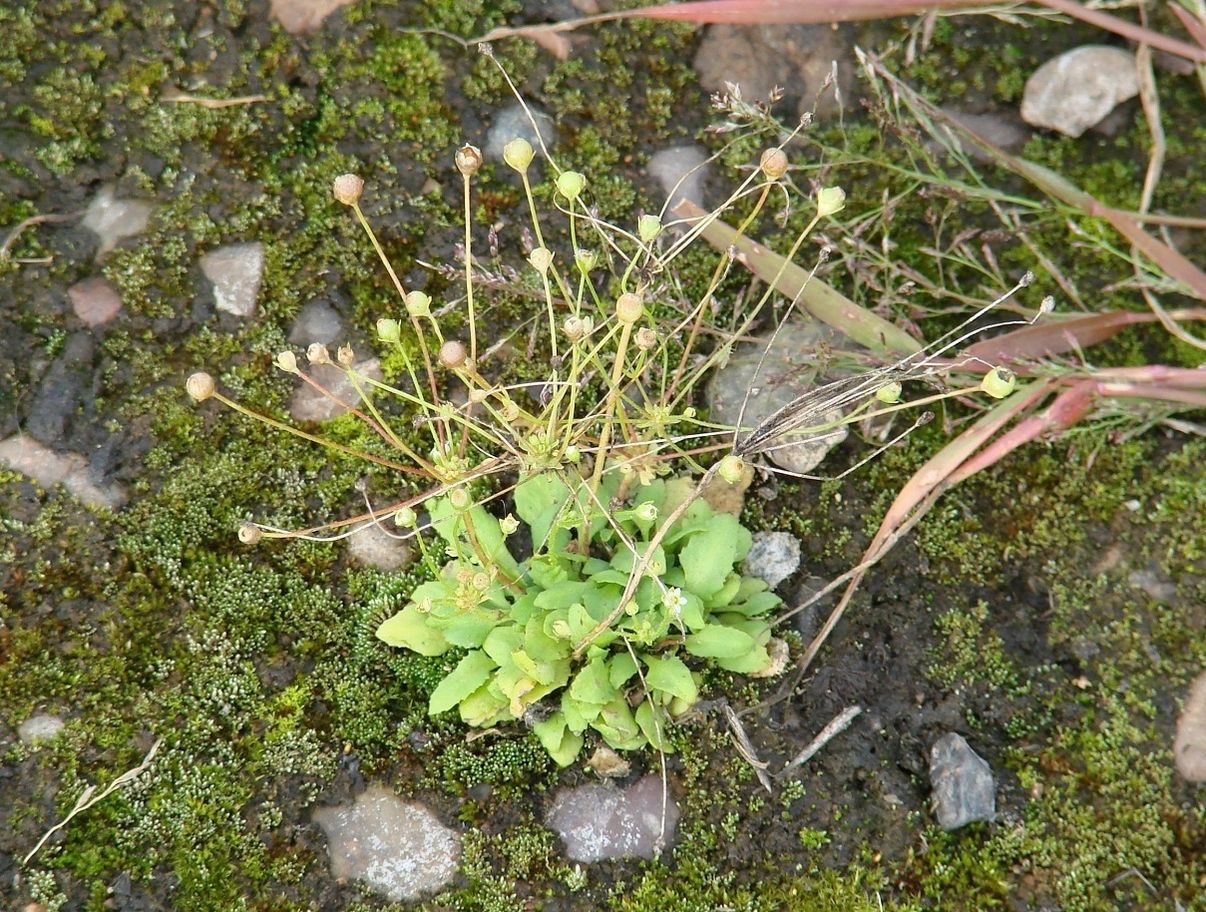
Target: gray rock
[
  {"x": 765, "y": 385},
  {"x": 300, "y": 16},
  {"x": 308, "y": 404},
  {"x": 1155, "y": 584},
  {"x": 235, "y": 272},
  {"x": 94, "y": 301},
  {"x": 374, "y": 546},
  {"x": 513, "y": 123},
  {"x": 318, "y": 321},
  {"x": 600, "y": 822},
  {"x": 681, "y": 172},
  {"x": 773, "y": 557},
  {"x": 23, "y": 454},
  {"x": 1074, "y": 91},
  {"x": 397, "y": 847},
  {"x": 999, "y": 129},
  {"x": 65, "y": 390},
  {"x": 113, "y": 220},
  {"x": 795, "y": 58},
  {"x": 40, "y": 728},
  {"x": 962, "y": 782},
  {"x": 1189, "y": 748}
]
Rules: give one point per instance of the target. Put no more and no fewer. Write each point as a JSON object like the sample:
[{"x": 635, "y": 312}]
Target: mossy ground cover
[{"x": 1008, "y": 615}]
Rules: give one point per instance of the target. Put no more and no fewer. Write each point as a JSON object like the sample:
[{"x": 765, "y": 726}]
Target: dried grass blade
[
  {"x": 1136, "y": 33},
  {"x": 820, "y": 299}
]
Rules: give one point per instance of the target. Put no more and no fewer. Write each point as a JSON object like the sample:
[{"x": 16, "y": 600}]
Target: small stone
[
  {"x": 998, "y": 128},
  {"x": 397, "y": 847},
  {"x": 607, "y": 763},
  {"x": 600, "y": 822},
  {"x": 753, "y": 387},
  {"x": 681, "y": 172},
  {"x": 1158, "y": 587},
  {"x": 65, "y": 393},
  {"x": 235, "y": 271},
  {"x": 40, "y": 728},
  {"x": 113, "y": 220},
  {"x": 94, "y": 301},
  {"x": 308, "y": 404},
  {"x": 512, "y": 123},
  {"x": 1076, "y": 90},
  {"x": 23, "y": 454},
  {"x": 373, "y": 546},
  {"x": 300, "y": 16},
  {"x": 1189, "y": 748},
  {"x": 962, "y": 782},
  {"x": 318, "y": 321},
  {"x": 773, "y": 557}
]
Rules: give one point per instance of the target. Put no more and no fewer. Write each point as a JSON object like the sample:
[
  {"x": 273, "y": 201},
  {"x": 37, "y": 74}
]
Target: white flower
[{"x": 674, "y": 600}]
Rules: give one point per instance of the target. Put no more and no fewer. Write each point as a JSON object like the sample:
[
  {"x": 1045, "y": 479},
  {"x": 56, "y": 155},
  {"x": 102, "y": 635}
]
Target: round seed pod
[
  {"x": 630, "y": 307},
  {"x": 732, "y": 468},
  {"x": 468, "y": 160},
  {"x": 453, "y": 355},
  {"x": 347, "y": 188},
  {"x": 773, "y": 163},
  {"x": 518, "y": 154},
  {"x": 999, "y": 382},
  {"x": 200, "y": 386},
  {"x": 570, "y": 184},
  {"x": 249, "y": 533}
]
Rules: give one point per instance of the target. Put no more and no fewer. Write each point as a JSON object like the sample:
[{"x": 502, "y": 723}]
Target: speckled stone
[{"x": 599, "y": 822}]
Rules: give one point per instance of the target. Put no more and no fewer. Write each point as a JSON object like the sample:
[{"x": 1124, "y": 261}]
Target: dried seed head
[
  {"x": 541, "y": 259},
  {"x": 287, "y": 361},
  {"x": 645, "y": 338},
  {"x": 418, "y": 304},
  {"x": 518, "y": 154},
  {"x": 648, "y": 227},
  {"x": 477, "y": 395},
  {"x": 999, "y": 382},
  {"x": 773, "y": 163},
  {"x": 345, "y": 356},
  {"x": 570, "y": 184},
  {"x": 453, "y": 355},
  {"x": 468, "y": 160},
  {"x": 347, "y": 189},
  {"x": 249, "y": 533},
  {"x": 630, "y": 307},
  {"x": 389, "y": 330},
  {"x": 200, "y": 386},
  {"x": 317, "y": 354},
  {"x": 830, "y": 200}
]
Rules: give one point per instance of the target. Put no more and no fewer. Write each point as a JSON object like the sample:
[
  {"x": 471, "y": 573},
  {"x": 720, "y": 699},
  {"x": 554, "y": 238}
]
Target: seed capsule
[
  {"x": 468, "y": 160},
  {"x": 773, "y": 163},
  {"x": 999, "y": 382},
  {"x": 200, "y": 386},
  {"x": 890, "y": 393},
  {"x": 732, "y": 468},
  {"x": 570, "y": 184},
  {"x": 347, "y": 189},
  {"x": 249, "y": 534},
  {"x": 389, "y": 330},
  {"x": 630, "y": 307},
  {"x": 453, "y": 355},
  {"x": 830, "y": 200},
  {"x": 518, "y": 154}
]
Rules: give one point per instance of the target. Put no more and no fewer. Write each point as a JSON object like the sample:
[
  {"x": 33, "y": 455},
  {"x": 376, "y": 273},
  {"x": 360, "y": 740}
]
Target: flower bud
[
  {"x": 518, "y": 154},
  {"x": 200, "y": 386},
  {"x": 999, "y": 382},
  {"x": 645, "y": 338},
  {"x": 573, "y": 454},
  {"x": 570, "y": 184},
  {"x": 889, "y": 394},
  {"x": 508, "y": 525},
  {"x": 646, "y": 512},
  {"x": 630, "y": 307},
  {"x": 389, "y": 330},
  {"x": 585, "y": 260},
  {"x": 453, "y": 355},
  {"x": 317, "y": 354},
  {"x": 732, "y": 468},
  {"x": 830, "y": 200},
  {"x": 648, "y": 227},
  {"x": 418, "y": 304},
  {"x": 345, "y": 356},
  {"x": 468, "y": 160},
  {"x": 406, "y": 518},
  {"x": 287, "y": 361},
  {"x": 249, "y": 533},
  {"x": 541, "y": 259},
  {"x": 773, "y": 163}
]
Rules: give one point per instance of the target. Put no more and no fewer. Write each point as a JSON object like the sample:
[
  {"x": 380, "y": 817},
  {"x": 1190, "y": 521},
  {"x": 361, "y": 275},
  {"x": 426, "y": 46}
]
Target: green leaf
[
  {"x": 617, "y": 726},
  {"x": 409, "y": 629},
  {"x": 578, "y": 716},
  {"x": 727, "y": 593},
  {"x": 538, "y": 501},
  {"x": 540, "y": 646},
  {"x": 469, "y": 629},
  {"x": 501, "y": 642},
  {"x": 625, "y": 559},
  {"x": 562, "y": 744},
  {"x": 482, "y": 708},
  {"x": 709, "y": 555},
  {"x": 620, "y": 669},
  {"x": 671, "y": 675},
  {"x": 591, "y": 684},
  {"x": 470, "y": 673},
  {"x": 655, "y": 734},
  {"x": 754, "y": 661},
  {"x": 719, "y": 642}
]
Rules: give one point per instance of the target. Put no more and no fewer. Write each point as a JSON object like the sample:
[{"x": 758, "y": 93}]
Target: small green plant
[{"x": 523, "y": 620}]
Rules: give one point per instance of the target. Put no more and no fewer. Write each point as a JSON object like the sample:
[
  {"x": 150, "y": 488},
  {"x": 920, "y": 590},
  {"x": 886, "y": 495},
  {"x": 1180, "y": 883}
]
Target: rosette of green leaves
[{"x": 519, "y": 622}]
